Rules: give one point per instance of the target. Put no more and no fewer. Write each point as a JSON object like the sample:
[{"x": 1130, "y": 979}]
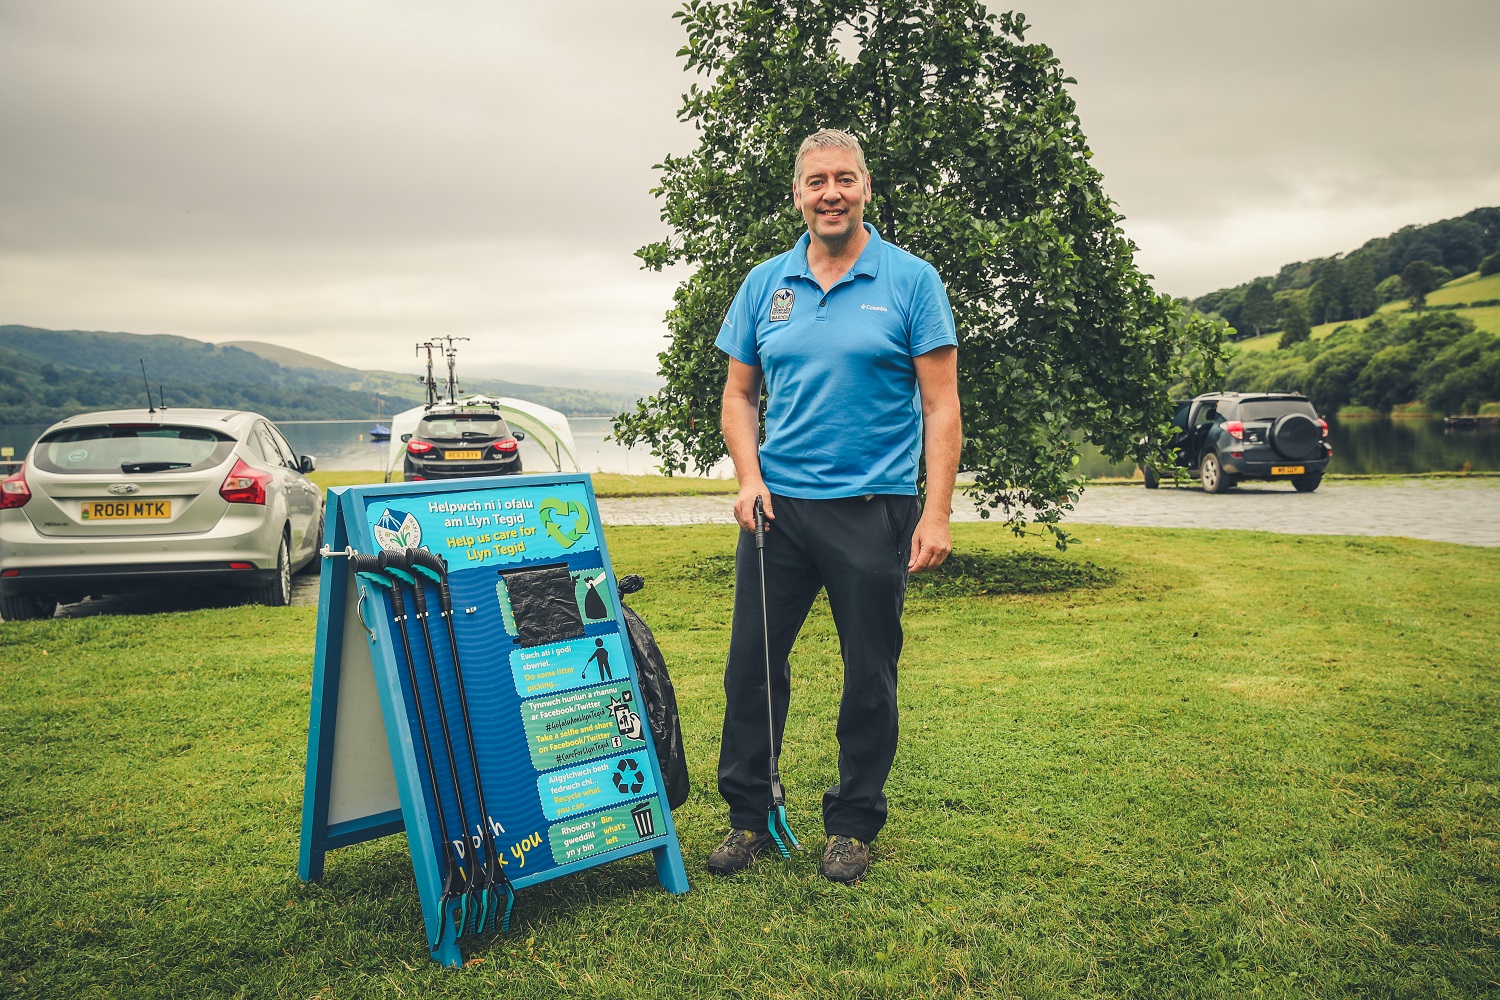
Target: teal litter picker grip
[
  {"x": 776, "y": 822},
  {"x": 397, "y": 567},
  {"x": 435, "y": 568}
]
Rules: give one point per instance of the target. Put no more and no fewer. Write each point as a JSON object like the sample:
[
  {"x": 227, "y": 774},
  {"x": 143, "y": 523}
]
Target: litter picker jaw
[{"x": 776, "y": 821}]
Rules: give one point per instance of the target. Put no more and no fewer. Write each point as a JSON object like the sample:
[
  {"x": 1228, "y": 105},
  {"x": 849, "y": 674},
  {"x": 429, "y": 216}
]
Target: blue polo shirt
[{"x": 843, "y": 417}]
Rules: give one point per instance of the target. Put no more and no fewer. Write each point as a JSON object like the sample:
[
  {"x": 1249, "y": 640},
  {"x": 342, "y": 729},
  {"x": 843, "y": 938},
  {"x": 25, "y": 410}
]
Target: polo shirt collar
[{"x": 868, "y": 263}]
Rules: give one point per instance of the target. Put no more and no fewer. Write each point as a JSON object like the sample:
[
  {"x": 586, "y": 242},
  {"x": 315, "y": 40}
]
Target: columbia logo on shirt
[{"x": 879, "y": 309}]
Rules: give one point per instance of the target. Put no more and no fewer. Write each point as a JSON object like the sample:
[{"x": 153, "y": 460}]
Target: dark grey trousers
[{"x": 856, "y": 549}]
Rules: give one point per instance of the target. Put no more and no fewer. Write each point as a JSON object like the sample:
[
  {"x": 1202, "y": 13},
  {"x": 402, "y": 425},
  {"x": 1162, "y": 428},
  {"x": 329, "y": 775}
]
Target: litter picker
[
  {"x": 776, "y": 822},
  {"x": 372, "y": 569},
  {"x": 435, "y": 568},
  {"x": 397, "y": 566}
]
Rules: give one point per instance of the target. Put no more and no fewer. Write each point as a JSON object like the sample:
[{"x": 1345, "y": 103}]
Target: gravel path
[{"x": 1442, "y": 510}]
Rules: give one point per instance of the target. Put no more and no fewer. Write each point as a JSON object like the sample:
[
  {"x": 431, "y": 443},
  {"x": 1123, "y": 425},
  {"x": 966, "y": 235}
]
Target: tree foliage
[
  {"x": 979, "y": 165},
  {"x": 1419, "y": 279},
  {"x": 1437, "y": 358},
  {"x": 1345, "y": 287},
  {"x": 1295, "y": 325}
]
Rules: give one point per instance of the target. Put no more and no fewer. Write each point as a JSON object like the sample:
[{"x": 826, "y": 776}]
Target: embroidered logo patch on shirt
[{"x": 781, "y": 305}]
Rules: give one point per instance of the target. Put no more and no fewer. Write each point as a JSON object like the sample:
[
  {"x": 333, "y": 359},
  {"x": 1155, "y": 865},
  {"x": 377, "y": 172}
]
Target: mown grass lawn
[{"x": 1163, "y": 763}]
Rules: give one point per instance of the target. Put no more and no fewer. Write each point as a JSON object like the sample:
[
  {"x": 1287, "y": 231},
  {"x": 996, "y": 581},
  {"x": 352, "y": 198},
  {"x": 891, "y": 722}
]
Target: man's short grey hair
[{"x": 829, "y": 138}]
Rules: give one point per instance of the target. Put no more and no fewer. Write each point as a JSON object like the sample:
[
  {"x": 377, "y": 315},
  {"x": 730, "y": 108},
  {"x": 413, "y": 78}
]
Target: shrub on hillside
[{"x": 1490, "y": 265}]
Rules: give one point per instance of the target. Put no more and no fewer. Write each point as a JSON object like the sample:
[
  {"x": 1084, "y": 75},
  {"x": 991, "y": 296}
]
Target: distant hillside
[
  {"x": 46, "y": 375},
  {"x": 1353, "y": 286},
  {"x": 287, "y": 357}
]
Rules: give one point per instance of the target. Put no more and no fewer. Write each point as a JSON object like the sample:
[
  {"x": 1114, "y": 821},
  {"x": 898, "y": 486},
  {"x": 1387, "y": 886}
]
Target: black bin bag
[
  {"x": 542, "y": 603},
  {"x": 659, "y": 696}
]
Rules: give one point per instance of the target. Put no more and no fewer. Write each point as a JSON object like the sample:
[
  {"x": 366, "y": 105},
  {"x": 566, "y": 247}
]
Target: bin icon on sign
[{"x": 645, "y": 823}]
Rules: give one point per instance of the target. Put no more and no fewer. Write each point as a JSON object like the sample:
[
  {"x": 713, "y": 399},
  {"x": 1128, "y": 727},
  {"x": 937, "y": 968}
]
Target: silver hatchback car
[{"x": 114, "y": 502}]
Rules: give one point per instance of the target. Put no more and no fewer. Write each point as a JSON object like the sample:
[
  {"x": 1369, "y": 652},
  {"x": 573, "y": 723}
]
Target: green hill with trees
[
  {"x": 46, "y": 375},
  {"x": 1383, "y": 327}
]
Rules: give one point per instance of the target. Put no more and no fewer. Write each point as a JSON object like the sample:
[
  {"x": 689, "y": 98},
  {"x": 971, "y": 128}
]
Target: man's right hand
[{"x": 744, "y": 505}]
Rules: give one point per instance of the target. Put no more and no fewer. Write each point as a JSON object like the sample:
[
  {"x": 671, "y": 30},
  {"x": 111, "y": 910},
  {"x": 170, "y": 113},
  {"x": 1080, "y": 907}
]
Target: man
[{"x": 845, "y": 329}]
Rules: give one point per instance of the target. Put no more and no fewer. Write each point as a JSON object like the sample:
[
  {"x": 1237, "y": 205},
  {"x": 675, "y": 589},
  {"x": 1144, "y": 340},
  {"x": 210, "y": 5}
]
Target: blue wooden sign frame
[{"x": 549, "y": 740}]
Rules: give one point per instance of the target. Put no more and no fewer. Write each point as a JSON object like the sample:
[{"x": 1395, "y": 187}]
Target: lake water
[{"x": 1359, "y": 446}]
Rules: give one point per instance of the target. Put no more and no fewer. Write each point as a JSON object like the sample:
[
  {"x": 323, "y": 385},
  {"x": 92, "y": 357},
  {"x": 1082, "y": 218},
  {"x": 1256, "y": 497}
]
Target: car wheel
[
  {"x": 1306, "y": 484},
  {"x": 1212, "y": 476},
  {"x": 1152, "y": 482},
  {"x": 26, "y": 607},
  {"x": 278, "y": 593}
]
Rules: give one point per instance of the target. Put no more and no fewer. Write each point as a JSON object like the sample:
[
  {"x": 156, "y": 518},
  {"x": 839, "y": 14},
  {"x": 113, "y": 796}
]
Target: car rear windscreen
[
  {"x": 457, "y": 428},
  {"x": 132, "y": 449},
  {"x": 1270, "y": 409}
]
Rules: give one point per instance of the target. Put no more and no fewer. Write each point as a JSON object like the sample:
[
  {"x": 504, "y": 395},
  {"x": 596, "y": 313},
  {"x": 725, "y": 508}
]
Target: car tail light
[
  {"x": 417, "y": 447},
  {"x": 245, "y": 484},
  {"x": 416, "y": 479},
  {"x": 507, "y": 446},
  {"x": 1323, "y": 424},
  {"x": 13, "y": 490},
  {"x": 1236, "y": 430},
  {"x": 241, "y": 565}
]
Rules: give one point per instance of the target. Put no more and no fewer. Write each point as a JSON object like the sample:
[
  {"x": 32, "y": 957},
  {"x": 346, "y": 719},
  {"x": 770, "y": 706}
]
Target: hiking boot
[
  {"x": 845, "y": 860},
  {"x": 738, "y": 851}
]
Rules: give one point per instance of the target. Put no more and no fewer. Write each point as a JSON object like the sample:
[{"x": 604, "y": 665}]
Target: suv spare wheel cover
[{"x": 1296, "y": 436}]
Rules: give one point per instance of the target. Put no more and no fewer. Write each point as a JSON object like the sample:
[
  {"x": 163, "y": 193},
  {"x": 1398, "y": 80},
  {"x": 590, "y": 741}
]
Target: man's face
[{"x": 831, "y": 194}]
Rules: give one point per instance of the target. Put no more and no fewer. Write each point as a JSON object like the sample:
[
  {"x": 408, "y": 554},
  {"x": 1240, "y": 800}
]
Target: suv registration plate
[
  {"x": 462, "y": 456},
  {"x": 1288, "y": 470},
  {"x": 124, "y": 510}
]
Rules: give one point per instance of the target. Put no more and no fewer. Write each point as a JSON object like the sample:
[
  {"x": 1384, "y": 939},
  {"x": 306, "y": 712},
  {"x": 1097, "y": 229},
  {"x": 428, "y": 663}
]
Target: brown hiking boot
[
  {"x": 845, "y": 860},
  {"x": 738, "y": 851}
]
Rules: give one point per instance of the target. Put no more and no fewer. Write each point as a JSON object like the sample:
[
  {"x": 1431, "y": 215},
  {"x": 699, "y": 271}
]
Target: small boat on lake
[{"x": 380, "y": 432}]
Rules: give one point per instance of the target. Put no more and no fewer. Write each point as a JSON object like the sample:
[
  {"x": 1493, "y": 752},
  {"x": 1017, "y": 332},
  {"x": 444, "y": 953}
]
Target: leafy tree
[
  {"x": 1463, "y": 375},
  {"x": 1389, "y": 289},
  {"x": 1333, "y": 373},
  {"x": 979, "y": 165},
  {"x": 1490, "y": 265},
  {"x": 1259, "y": 309},
  {"x": 1295, "y": 327},
  {"x": 1389, "y": 378},
  {"x": 1326, "y": 300},
  {"x": 1359, "y": 286},
  {"x": 1419, "y": 279}
]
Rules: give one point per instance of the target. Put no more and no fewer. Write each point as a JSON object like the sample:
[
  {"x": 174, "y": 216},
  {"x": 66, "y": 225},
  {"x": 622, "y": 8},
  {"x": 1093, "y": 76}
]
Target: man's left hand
[{"x": 930, "y": 544}]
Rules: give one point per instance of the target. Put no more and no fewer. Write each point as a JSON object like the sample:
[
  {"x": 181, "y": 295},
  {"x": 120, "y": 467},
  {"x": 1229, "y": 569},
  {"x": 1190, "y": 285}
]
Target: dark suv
[
  {"x": 1223, "y": 437},
  {"x": 454, "y": 442}
]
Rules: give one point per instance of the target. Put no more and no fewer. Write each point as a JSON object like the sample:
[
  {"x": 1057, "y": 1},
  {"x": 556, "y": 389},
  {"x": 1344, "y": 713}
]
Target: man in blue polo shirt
[{"x": 854, "y": 338}]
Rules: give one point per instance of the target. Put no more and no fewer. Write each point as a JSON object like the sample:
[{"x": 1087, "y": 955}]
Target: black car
[
  {"x": 467, "y": 441},
  {"x": 1224, "y": 437}
]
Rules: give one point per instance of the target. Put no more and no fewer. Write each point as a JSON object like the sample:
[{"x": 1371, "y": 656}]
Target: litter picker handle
[
  {"x": 432, "y": 566},
  {"x": 397, "y": 565},
  {"x": 428, "y": 563},
  {"x": 368, "y": 568},
  {"x": 760, "y": 524}
]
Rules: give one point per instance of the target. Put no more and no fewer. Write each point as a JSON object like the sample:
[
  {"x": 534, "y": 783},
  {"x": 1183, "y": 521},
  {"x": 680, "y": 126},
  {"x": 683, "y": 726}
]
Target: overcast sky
[{"x": 349, "y": 176}]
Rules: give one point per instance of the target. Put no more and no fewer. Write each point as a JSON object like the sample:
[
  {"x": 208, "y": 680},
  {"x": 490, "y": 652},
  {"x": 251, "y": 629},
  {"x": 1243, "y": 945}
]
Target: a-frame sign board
[{"x": 566, "y": 765}]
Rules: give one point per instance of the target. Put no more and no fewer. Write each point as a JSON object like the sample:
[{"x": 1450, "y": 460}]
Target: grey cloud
[{"x": 345, "y": 176}]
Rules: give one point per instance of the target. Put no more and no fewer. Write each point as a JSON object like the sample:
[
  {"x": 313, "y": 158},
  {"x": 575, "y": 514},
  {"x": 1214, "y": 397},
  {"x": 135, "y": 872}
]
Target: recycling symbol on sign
[
  {"x": 628, "y": 777},
  {"x": 561, "y": 532}
]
